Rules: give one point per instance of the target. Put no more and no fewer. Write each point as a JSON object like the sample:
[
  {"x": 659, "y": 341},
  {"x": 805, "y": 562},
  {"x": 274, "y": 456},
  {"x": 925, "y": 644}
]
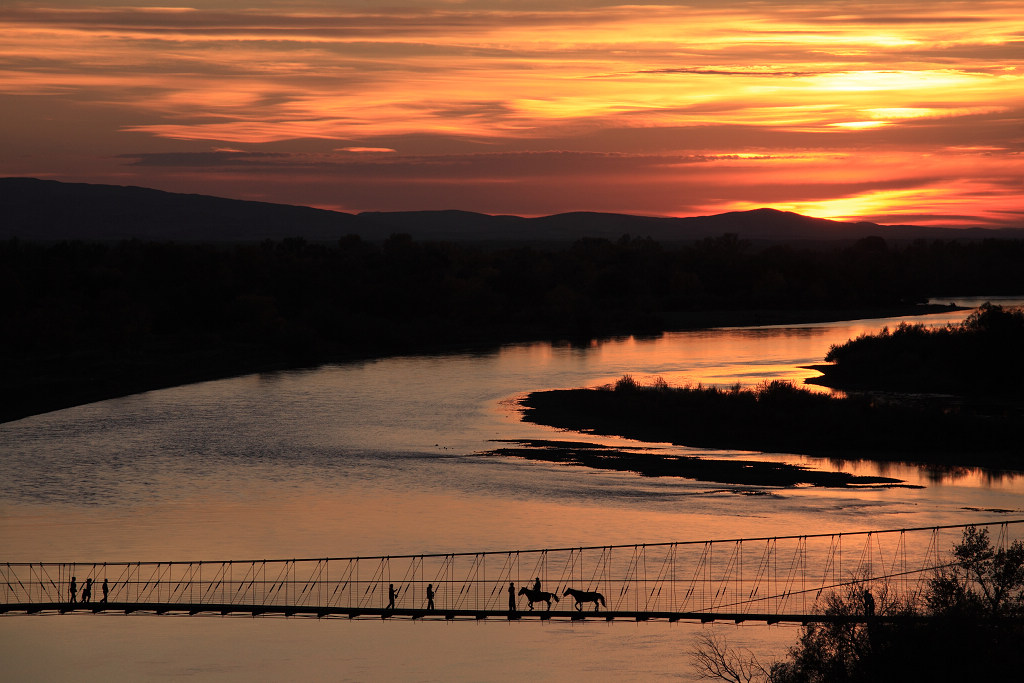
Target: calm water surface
[{"x": 383, "y": 457}]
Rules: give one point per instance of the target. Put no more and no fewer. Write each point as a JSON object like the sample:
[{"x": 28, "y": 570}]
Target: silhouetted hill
[
  {"x": 450, "y": 225},
  {"x": 759, "y": 225},
  {"x": 47, "y": 210}
]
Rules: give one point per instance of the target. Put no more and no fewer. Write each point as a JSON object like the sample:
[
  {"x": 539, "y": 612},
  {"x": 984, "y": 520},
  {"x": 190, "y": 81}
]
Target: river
[{"x": 386, "y": 457}]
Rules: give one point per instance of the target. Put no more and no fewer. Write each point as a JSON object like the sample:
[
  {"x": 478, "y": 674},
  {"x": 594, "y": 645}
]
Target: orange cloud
[{"x": 779, "y": 95}]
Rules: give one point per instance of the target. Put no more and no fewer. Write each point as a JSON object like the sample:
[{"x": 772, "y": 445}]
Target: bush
[
  {"x": 973, "y": 630},
  {"x": 981, "y": 355}
]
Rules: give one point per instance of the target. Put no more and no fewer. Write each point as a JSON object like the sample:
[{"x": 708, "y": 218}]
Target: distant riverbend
[
  {"x": 92, "y": 321},
  {"x": 40, "y": 381}
]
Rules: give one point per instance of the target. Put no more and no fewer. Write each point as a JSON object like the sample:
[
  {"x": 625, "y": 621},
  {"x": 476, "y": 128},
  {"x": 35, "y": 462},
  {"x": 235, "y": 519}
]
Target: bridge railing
[{"x": 752, "y": 576}]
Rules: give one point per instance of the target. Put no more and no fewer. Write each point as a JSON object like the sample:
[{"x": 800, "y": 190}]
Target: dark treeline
[
  {"x": 83, "y": 321},
  {"x": 981, "y": 356}
]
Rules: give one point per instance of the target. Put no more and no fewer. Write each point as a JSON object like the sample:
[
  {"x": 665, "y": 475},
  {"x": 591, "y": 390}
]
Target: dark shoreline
[
  {"x": 43, "y": 384},
  {"x": 753, "y": 474},
  {"x": 782, "y": 418},
  {"x": 956, "y": 361}
]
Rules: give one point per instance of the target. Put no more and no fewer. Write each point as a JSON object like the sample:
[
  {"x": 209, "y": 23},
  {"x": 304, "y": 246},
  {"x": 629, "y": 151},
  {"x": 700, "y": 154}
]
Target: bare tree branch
[{"x": 714, "y": 659}]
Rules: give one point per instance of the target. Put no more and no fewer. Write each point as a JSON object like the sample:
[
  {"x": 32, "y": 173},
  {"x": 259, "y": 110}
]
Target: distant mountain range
[{"x": 47, "y": 210}]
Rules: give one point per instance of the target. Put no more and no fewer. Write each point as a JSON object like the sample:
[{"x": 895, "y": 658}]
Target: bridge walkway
[
  {"x": 128, "y": 608},
  {"x": 767, "y": 579}
]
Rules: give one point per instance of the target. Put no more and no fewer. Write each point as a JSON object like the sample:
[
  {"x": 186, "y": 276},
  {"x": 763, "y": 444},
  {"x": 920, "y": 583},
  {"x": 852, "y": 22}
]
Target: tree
[
  {"x": 713, "y": 658},
  {"x": 981, "y": 582},
  {"x": 857, "y": 646},
  {"x": 970, "y": 627}
]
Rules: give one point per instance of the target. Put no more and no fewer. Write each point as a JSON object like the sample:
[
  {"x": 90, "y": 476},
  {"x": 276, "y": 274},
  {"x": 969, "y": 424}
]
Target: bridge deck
[
  {"x": 769, "y": 580},
  {"x": 463, "y": 614}
]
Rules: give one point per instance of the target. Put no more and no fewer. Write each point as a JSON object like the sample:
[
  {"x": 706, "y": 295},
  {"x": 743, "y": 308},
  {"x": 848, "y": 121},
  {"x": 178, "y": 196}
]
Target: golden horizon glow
[{"x": 570, "y": 105}]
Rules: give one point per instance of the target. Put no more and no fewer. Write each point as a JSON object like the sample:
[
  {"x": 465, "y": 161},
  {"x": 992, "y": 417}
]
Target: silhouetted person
[
  {"x": 536, "y": 585},
  {"x": 869, "y": 604},
  {"x": 106, "y": 589},
  {"x": 391, "y": 596},
  {"x": 87, "y": 590},
  {"x": 511, "y": 597},
  {"x": 430, "y": 596},
  {"x": 73, "y": 590}
]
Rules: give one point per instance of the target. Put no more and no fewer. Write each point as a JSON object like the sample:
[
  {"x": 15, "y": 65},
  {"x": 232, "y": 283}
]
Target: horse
[
  {"x": 584, "y": 596},
  {"x": 537, "y": 596}
]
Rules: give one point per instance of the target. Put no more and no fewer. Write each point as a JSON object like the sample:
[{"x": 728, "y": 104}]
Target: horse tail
[{"x": 603, "y": 604}]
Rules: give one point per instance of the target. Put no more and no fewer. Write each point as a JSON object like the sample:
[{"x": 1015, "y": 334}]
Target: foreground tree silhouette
[
  {"x": 975, "y": 629},
  {"x": 713, "y": 658},
  {"x": 982, "y": 583}
]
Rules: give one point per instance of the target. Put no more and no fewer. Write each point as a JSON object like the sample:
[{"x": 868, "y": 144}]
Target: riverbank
[
  {"x": 979, "y": 359},
  {"x": 781, "y": 418}
]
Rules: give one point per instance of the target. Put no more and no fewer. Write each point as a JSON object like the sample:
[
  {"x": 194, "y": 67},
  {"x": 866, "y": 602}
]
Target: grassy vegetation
[
  {"x": 981, "y": 356},
  {"x": 778, "y": 417}
]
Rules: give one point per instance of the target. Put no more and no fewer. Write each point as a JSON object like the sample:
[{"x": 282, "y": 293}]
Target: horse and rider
[{"x": 535, "y": 594}]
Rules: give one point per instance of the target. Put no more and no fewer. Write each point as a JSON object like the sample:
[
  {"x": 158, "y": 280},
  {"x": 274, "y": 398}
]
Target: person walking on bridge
[
  {"x": 73, "y": 590},
  {"x": 430, "y": 596},
  {"x": 391, "y": 596},
  {"x": 511, "y": 597}
]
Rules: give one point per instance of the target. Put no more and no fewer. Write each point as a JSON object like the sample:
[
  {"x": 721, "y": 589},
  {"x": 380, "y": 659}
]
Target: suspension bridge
[{"x": 767, "y": 579}]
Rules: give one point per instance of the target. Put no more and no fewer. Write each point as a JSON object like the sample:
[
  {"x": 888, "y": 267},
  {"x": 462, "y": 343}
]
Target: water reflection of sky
[
  {"x": 380, "y": 457},
  {"x": 408, "y": 426}
]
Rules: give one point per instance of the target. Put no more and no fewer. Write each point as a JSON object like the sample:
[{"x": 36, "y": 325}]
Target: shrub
[{"x": 975, "y": 606}]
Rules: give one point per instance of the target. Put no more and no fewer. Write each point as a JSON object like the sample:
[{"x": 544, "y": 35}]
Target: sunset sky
[{"x": 895, "y": 112}]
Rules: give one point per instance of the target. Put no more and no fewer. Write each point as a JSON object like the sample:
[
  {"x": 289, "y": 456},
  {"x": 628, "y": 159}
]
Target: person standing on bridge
[
  {"x": 430, "y": 596},
  {"x": 511, "y": 597},
  {"x": 391, "y": 596},
  {"x": 73, "y": 590},
  {"x": 87, "y": 590},
  {"x": 106, "y": 590},
  {"x": 869, "y": 604}
]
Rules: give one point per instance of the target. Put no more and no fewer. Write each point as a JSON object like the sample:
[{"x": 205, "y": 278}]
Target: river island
[{"x": 887, "y": 415}]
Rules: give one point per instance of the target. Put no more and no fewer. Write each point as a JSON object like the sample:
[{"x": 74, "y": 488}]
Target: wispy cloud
[{"x": 772, "y": 99}]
